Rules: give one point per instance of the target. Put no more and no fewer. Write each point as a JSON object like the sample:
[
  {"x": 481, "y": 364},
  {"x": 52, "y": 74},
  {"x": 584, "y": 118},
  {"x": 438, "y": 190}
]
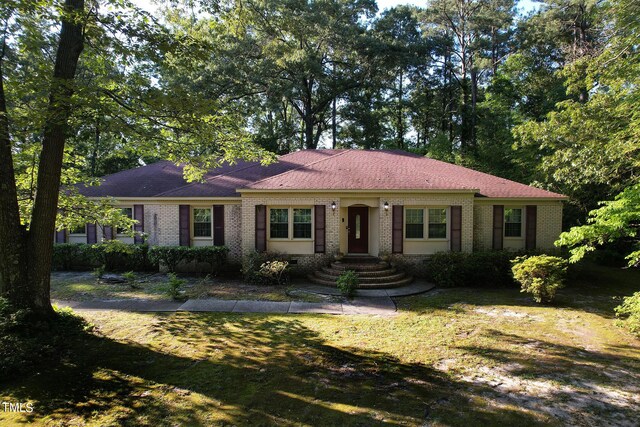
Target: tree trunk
[
  {"x": 465, "y": 127},
  {"x": 13, "y": 273},
  {"x": 31, "y": 287},
  {"x": 474, "y": 101},
  {"x": 494, "y": 51},
  {"x": 399, "y": 113},
  {"x": 96, "y": 145},
  {"x": 308, "y": 131},
  {"x": 334, "y": 124},
  {"x": 445, "y": 92}
]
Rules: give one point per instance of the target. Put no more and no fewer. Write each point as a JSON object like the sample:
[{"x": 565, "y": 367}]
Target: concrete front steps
[{"x": 373, "y": 273}]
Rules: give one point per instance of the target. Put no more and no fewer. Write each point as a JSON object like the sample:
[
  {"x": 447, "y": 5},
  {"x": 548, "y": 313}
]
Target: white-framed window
[
  {"x": 437, "y": 223},
  {"x": 414, "y": 223},
  {"x": 513, "y": 222},
  {"x": 426, "y": 223},
  {"x": 202, "y": 222},
  {"x": 128, "y": 212},
  {"x": 291, "y": 223},
  {"x": 80, "y": 230},
  {"x": 301, "y": 223},
  {"x": 279, "y": 223}
]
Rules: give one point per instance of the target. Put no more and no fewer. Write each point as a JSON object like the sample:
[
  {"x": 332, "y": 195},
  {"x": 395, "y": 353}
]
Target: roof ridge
[
  {"x": 301, "y": 166},
  {"x": 206, "y": 180},
  {"x": 137, "y": 167}
]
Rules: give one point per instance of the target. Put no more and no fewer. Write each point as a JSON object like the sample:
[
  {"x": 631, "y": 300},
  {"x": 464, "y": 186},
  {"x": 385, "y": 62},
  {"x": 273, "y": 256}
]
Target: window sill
[
  {"x": 202, "y": 237},
  {"x": 409, "y": 239},
  {"x": 289, "y": 240}
]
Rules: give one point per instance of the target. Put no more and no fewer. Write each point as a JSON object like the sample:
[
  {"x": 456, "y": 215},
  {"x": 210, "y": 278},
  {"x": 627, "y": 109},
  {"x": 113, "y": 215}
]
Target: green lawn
[
  {"x": 83, "y": 286},
  {"x": 451, "y": 357}
]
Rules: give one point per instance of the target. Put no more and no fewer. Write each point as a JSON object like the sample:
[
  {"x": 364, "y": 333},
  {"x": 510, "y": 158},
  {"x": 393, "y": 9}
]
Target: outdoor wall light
[
  {"x": 333, "y": 206},
  {"x": 386, "y": 206}
]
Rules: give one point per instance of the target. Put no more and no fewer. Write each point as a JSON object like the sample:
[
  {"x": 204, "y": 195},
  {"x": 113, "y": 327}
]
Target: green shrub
[
  {"x": 27, "y": 343},
  {"x": 348, "y": 283},
  {"x": 172, "y": 256},
  {"x": 275, "y": 272},
  {"x": 99, "y": 271},
  {"x": 447, "y": 269},
  {"x": 540, "y": 275},
  {"x": 70, "y": 256},
  {"x": 113, "y": 254},
  {"x": 475, "y": 269},
  {"x": 130, "y": 277},
  {"x": 629, "y": 313},
  {"x": 174, "y": 287},
  {"x": 252, "y": 266}
]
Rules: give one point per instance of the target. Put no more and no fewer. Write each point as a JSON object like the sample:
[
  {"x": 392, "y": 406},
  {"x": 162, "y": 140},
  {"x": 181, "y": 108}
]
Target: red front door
[{"x": 358, "y": 230}]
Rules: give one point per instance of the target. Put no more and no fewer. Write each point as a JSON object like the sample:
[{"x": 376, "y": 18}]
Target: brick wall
[
  {"x": 249, "y": 204},
  {"x": 549, "y": 225},
  {"x": 161, "y": 224},
  {"x": 483, "y": 227},
  {"x": 233, "y": 231},
  {"x": 464, "y": 200}
]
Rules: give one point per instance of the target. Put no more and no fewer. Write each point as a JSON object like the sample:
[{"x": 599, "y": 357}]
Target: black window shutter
[
  {"x": 498, "y": 224},
  {"x": 456, "y": 228},
  {"x": 184, "y": 221},
  {"x": 531, "y": 220},
  {"x": 108, "y": 232},
  {"x": 92, "y": 236},
  {"x": 261, "y": 228},
  {"x": 320, "y": 212},
  {"x": 218, "y": 225},
  {"x": 396, "y": 232},
  {"x": 61, "y": 236},
  {"x": 138, "y": 215}
]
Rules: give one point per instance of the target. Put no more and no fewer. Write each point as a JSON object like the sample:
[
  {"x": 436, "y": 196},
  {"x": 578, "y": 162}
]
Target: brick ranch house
[{"x": 313, "y": 204}]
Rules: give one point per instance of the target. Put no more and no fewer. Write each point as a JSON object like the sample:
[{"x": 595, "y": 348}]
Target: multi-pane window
[
  {"x": 279, "y": 223},
  {"x": 201, "y": 222},
  {"x": 290, "y": 223},
  {"x": 81, "y": 229},
  {"x": 128, "y": 212},
  {"x": 301, "y": 223},
  {"x": 513, "y": 222},
  {"x": 435, "y": 220},
  {"x": 414, "y": 224},
  {"x": 437, "y": 223}
]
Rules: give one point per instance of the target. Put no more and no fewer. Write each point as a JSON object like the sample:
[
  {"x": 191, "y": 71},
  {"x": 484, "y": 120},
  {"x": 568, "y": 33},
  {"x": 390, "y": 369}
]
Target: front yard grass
[
  {"x": 451, "y": 357},
  {"x": 84, "y": 286}
]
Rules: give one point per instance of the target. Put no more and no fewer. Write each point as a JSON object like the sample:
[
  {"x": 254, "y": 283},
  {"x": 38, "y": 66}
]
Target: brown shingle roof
[
  {"x": 394, "y": 170},
  {"x": 315, "y": 170}
]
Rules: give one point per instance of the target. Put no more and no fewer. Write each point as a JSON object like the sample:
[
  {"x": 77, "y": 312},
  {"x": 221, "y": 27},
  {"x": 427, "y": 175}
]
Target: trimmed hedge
[
  {"x": 114, "y": 255},
  {"x": 172, "y": 256},
  {"x": 475, "y": 269},
  {"x": 118, "y": 256}
]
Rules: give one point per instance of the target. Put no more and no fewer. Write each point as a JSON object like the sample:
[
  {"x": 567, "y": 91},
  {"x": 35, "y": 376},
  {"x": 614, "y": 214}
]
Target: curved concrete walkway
[
  {"x": 366, "y": 301},
  {"x": 358, "y": 305},
  {"x": 417, "y": 287}
]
